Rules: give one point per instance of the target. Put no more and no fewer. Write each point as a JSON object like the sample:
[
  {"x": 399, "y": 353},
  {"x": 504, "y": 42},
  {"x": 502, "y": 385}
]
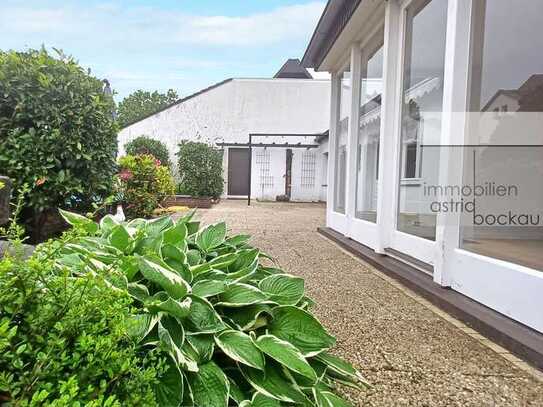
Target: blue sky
[{"x": 181, "y": 44}]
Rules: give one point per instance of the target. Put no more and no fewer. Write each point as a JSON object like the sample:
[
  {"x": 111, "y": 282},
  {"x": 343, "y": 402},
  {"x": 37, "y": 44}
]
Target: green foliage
[
  {"x": 57, "y": 132},
  {"x": 200, "y": 169},
  {"x": 141, "y": 103},
  {"x": 144, "y": 184},
  {"x": 64, "y": 334},
  {"x": 146, "y": 145},
  {"x": 236, "y": 332}
]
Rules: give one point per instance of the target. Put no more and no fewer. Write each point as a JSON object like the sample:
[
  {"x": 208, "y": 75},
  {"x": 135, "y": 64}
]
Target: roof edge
[
  {"x": 179, "y": 101},
  {"x": 334, "y": 19}
]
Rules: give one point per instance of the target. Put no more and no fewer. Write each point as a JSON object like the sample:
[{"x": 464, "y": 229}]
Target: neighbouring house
[
  {"x": 436, "y": 142},
  {"x": 285, "y": 117}
]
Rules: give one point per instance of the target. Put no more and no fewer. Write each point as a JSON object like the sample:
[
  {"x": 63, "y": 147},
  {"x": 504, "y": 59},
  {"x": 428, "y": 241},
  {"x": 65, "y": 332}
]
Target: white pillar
[
  {"x": 455, "y": 96},
  {"x": 332, "y": 146},
  {"x": 386, "y": 205}
]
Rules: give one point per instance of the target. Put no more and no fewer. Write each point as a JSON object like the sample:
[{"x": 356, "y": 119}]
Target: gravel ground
[{"x": 411, "y": 355}]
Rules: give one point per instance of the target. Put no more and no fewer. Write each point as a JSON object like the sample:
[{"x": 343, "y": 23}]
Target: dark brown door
[
  {"x": 238, "y": 171},
  {"x": 288, "y": 174}
]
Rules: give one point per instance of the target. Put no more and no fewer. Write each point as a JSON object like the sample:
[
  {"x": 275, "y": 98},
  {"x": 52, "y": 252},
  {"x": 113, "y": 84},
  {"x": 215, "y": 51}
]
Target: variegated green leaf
[
  {"x": 301, "y": 329},
  {"x": 162, "y": 302},
  {"x": 119, "y": 237},
  {"x": 202, "y": 317},
  {"x": 208, "y": 288},
  {"x": 211, "y": 236},
  {"x": 283, "y": 288},
  {"x": 250, "y": 317},
  {"x": 174, "y": 284},
  {"x": 169, "y": 389},
  {"x": 239, "y": 347},
  {"x": 271, "y": 383},
  {"x": 286, "y": 354},
  {"x": 210, "y": 386},
  {"x": 239, "y": 295}
]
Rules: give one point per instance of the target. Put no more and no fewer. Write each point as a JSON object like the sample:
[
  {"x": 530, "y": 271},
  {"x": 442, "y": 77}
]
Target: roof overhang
[{"x": 342, "y": 23}]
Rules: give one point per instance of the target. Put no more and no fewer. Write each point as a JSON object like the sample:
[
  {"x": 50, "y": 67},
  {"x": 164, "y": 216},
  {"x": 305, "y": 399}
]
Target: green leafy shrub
[
  {"x": 146, "y": 145},
  {"x": 144, "y": 183},
  {"x": 237, "y": 331},
  {"x": 200, "y": 169},
  {"x": 57, "y": 133},
  {"x": 64, "y": 336}
]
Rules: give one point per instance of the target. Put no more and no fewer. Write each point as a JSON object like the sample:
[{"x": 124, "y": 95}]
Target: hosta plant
[{"x": 237, "y": 331}]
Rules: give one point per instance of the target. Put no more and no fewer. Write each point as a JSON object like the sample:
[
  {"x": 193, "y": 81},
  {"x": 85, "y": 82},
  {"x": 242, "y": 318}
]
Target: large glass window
[
  {"x": 342, "y": 134},
  {"x": 422, "y": 100},
  {"x": 505, "y": 122},
  {"x": 367, "y": 169}
]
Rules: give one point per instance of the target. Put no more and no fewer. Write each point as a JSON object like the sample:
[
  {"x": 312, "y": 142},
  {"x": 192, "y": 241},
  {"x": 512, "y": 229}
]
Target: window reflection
[
  {"x": 367, "y": 174},
  {"x": 342, "y": 132},
  {"x": 506, "y": 122},
  {"x": 422, "y": 101}
]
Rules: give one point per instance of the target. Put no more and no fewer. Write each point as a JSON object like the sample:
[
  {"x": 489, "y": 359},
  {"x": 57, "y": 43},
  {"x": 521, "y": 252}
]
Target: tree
[{"x": 143, "y": 103}]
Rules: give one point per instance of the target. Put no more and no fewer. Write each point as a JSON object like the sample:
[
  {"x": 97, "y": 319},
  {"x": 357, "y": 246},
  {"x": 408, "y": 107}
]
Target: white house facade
[
  {"x": 285, "y": 115},
  {"x": 436, "y": 140}
]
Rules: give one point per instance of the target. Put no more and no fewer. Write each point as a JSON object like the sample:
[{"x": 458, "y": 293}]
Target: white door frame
[
  {"x": 361, "y": 230},
  {"x": 336, "y": 220},
  {"x": 416, "y": 247}
]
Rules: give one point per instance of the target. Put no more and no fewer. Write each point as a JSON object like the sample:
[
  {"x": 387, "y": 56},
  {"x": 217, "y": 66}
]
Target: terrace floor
[{"x": 412, "y": 353}]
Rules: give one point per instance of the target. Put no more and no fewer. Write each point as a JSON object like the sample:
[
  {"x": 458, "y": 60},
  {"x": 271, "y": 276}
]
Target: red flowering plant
[
  {"x": 126, "y": 175},
  {"x": 143, "y": 183}
]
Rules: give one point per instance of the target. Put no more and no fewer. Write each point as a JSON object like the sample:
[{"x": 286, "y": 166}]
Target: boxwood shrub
[
  {"x": 147, "y": 145},
  {"x": 64, "y": 337},
  {"x": 200, "y": 169},
  {"x": 236, "y": 330}
]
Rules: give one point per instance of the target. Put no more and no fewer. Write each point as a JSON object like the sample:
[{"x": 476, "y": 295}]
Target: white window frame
[
  {"x": 416, "y": 247},
  {"x": 507, "y": 287}
]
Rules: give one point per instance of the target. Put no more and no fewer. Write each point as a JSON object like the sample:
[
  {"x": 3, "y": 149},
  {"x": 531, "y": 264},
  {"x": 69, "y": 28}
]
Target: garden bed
[{"x": 190, "y": 201}]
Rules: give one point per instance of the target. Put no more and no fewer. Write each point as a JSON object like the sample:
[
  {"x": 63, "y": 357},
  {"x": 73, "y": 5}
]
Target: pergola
[{"x": 314, "y": 136}]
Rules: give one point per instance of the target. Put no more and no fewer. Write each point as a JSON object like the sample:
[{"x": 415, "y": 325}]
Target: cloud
[
  {"x": 141, "y": 45},
  {"x": 282, "y": 24},
  {"x": 23, "y": 20},
  {"x": 107, "y": 21}
]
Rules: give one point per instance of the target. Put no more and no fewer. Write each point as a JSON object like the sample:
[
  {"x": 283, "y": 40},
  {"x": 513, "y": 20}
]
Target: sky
[{"x": 185, "y": 45}]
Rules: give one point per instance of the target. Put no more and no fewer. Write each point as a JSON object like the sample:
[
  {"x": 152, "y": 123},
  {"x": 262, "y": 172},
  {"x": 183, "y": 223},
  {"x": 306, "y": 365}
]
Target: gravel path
[{"x": 411, "y": 355}]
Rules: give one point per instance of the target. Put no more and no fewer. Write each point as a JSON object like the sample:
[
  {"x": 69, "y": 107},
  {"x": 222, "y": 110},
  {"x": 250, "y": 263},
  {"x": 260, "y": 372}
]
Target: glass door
[
  {"x": 367, "y": 144},
  {"x": 342, "y": 131},
  {"x": 421, "y": 106},
  {"x": 498, "y": 253},
  {"x": 369, "y": 134}
]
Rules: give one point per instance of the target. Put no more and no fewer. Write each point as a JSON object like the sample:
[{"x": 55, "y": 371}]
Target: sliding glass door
[
  {"x": 498, "y": 255},
  {"x": 419, "y": 131}
]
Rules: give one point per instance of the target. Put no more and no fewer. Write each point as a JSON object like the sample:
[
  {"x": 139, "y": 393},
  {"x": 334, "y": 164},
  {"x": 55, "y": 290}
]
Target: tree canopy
[{"x": 143, "y": 103}]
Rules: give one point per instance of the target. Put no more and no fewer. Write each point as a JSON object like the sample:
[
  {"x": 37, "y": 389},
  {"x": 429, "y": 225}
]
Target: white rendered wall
[{"x": 229, "y": 112}]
